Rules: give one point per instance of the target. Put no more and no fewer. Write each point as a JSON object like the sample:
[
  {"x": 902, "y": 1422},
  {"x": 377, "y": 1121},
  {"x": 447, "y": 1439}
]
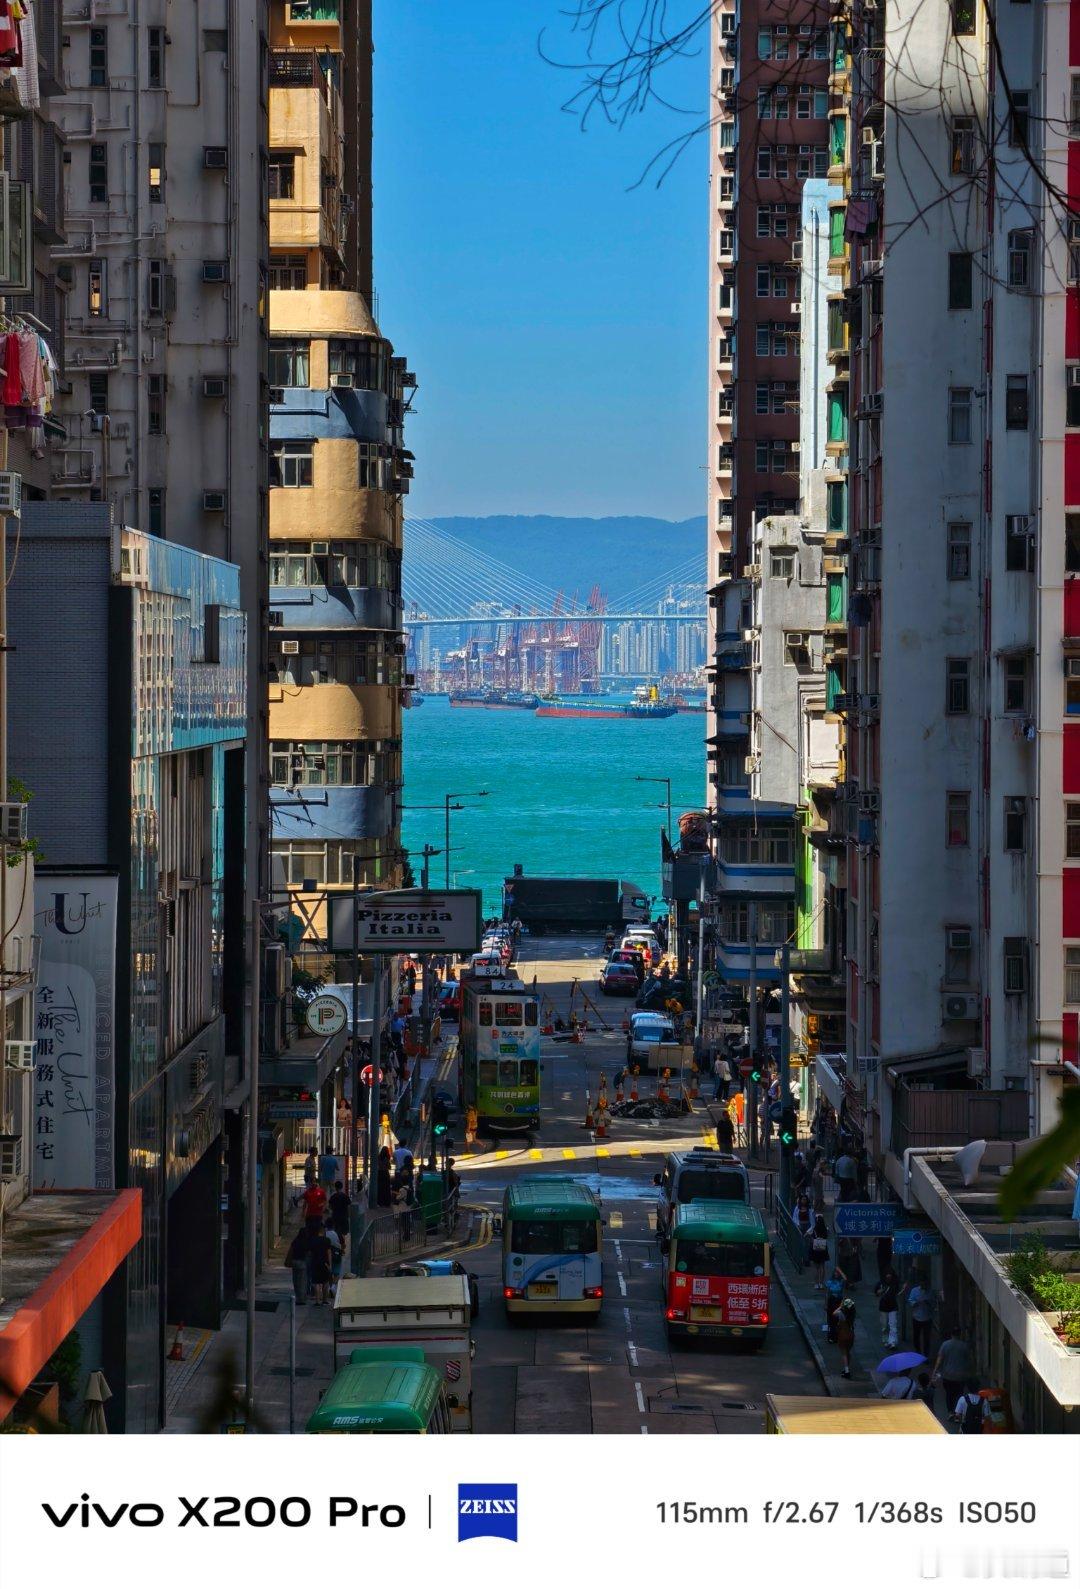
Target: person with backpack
[
  {"x": 968, "y": 1412},
  {"x": 819, "y": 1250},
  {"x": 900, "y": 1387}
]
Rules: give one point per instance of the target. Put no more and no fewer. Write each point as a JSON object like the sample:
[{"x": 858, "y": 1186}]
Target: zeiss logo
[{"x": 487, "y": 1509}]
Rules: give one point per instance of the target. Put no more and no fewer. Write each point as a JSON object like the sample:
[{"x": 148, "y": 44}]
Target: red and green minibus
[{"x": 716, "y": 1272}]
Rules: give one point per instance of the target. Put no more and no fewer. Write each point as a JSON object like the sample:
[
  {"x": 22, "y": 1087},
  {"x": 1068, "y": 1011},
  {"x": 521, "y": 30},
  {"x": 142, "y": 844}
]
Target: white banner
[
  {"x": 532, "y": 1510},
  {"x": 74, "y": 1025},
  {"x": 408, "y": 921}
]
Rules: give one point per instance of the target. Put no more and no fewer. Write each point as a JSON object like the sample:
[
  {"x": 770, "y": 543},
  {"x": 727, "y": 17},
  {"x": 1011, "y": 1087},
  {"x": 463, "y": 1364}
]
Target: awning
[
  {"x": 933, "y": 1063},
  {"x": 306, "y": 1063},
  {"x": 829, "y": 1081},
  {"x": 60, "y": 1250}
]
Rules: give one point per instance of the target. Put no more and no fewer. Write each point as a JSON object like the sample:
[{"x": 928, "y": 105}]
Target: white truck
[{"x": 432, "y": 1312}]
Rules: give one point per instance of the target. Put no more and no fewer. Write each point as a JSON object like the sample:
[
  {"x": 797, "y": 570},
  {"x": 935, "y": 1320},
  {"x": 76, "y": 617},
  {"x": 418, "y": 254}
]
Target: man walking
[
  {"x": 722, "y": 1075},
  {"x": 954, "y": 1367},
  {"x": 846, "y": 1172}
]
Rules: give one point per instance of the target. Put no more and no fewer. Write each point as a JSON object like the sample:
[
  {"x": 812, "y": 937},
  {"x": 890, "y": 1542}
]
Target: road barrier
[{"x": 397, "y": 1232}]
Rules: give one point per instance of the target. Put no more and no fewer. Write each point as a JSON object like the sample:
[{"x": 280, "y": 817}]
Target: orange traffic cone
[
  {"x": 693, "y": 1090},
  {"x": 176, "y": 1350},
  {"x": 662, "y": 1089},
  {"x": 601, "y": 1124},
  {"x": 633, "y": 1086},
  {"x": 588, "y": 1113},
  {"x": 579, "y": 1036},
  {"x": 626, "y": 1023},
  {"x": 618, "y": 1091}
]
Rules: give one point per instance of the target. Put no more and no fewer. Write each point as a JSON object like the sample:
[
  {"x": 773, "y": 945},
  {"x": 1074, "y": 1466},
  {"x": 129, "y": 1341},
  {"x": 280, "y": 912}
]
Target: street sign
[
  {"x": 866, "y": 1219},
  {"x": 293, "y": 1111},
  {"x": 326, "y": 1015},
  {"x": 408, "y": 921},
  {"x": 916, "y": 1243},
  {"x": 747, "y": 1067}
]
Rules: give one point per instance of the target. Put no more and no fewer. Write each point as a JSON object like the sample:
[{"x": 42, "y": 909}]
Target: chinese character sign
[{"x": 74, "y": 1024}]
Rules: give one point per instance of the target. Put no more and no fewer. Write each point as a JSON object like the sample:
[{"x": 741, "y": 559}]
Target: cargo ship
[
  {"x": 646, "y": 703},
  {"x": 496, "y": 700}
]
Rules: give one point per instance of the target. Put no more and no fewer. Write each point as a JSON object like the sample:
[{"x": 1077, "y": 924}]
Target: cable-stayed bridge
[{"x": 448, "y": 583}]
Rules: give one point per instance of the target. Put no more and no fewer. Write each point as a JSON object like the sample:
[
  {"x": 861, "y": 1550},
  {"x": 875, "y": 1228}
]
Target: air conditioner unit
[
  {"x": 215, "y": 270},
  {"x": 869, "y": 801},
  {"x": 19, "y": 1056},
  {"x": 341, "y": 378},
  {"x": 874, "y": 403},
  {"x": 877, "y": 162},
  {"x": 797, "y": 640},
  {"x": 869, "y": 137},
  {"x": 213, "y": 501},
  {"x": 290, "y": 648},
  {"x": 1074, "y": 374},
  {"x": 213, "y": 386},
  {"x": 215, "y": 157},
  {"x": 751, "y": 571},
  {"x": 959, "y": 938},
  {"x": 10, "y": 494},
  {"x": 796, "y": 307},
  {"x": 11, "y": 1158},
  {"x": 976, "y": 1062},
  {"x": 752, "y": 764},
  {"x": 843, "y": 703},
  {"x": 274, "y": 970},
  {"x": 13, "y": 822},
  {"x": 959, "y": 1006}
]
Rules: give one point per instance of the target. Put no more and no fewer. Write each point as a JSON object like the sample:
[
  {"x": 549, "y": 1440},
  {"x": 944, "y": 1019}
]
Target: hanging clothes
[
  {"x": 26, "y": 75},
  {"x": 12, "y": 372},
  {"x": 30, "y": 371}
]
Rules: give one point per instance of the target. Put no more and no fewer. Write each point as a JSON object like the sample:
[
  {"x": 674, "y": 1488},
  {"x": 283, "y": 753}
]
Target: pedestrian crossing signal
[{"x": 788, "y": 1130}]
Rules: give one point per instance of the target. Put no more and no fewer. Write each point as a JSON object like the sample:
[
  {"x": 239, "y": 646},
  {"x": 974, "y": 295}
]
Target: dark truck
[{"x": 574, "y": 904}]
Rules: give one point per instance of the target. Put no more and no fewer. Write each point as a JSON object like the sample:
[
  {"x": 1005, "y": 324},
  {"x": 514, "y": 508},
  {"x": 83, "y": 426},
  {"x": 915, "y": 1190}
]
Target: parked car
[
  {"x": 630, "y": 957},
  {"x": 450, "y": 1001},
  {"x": 702, "y": 1174},
  {"x": 429, "y": 1267},
  {"x": 647, "y": 1028},
  {"x": 645, "y": 940},
  {"x": 619, "y": 976},
  {"x": 658, "y": 990}
]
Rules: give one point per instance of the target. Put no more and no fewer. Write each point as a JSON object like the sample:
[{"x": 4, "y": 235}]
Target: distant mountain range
[{"x": 620, "y": 553}]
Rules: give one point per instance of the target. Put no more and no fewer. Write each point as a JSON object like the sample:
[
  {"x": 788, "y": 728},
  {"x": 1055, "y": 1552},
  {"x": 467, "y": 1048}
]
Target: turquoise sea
[{"x": 563, "y": 798}]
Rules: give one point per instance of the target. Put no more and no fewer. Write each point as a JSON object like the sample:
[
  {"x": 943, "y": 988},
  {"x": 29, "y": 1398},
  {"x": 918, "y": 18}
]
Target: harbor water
[{"x": 563, "y": 800}]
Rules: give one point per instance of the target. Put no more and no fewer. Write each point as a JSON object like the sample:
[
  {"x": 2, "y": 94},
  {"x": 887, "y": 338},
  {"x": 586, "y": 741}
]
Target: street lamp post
[
  {"x": 641, "y": 778},
  {"x": 468, "y": 794}
]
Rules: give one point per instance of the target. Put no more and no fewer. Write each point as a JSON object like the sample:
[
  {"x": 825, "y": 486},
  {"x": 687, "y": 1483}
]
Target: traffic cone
[
  {"x": 619, "y": 1091},
  {"x": 588, "y": 1112},
  {"x": 601, "y": 1123},
  {"x": 176, "y": 1350},
  {"x": 662, "y": 1089},
  {"x": 579, "y": 1036},
  {"x": 693, "y": 1089},
  {"x": 633, "y": 1086},
  {"x": 626, "y": 1023},
  {"x": 548, "y": 1030}
]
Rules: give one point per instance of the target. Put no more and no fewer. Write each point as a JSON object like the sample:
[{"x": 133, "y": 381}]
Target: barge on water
[{"x": 496, "y": 700}]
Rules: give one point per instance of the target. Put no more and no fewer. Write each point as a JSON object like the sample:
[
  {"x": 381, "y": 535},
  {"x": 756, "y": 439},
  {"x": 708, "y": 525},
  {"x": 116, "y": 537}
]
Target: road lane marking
[
  {"x": 632, "y": 1352},
  {"x": 626, "y": 1316},
  {"x": 635, "y": 1153},
  {"x": 569, "y": 1153},
  {"x": 622, "y": 1282},
  {"x": 603, "y": 1153},
  {"x": 618, "y": 1253},
  {"x": 503, "y": 1153},
  {"x": 535, "y": 1153},
  {"x": 640, "y": 1397}
]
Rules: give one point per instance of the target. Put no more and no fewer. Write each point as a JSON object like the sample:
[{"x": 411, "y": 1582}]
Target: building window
[
  {"x": 821, "y": 162},
  {"x": 1020, "y": 257},
  {"x": 960, "y": 416},
  {"x": 961, "y": 281},
  {"x": 353, "y": 659},
  {"x": 96, "y": 300},
  {"x": 99, "y": 58},
  {"x": 215, "y": 40},
  {"x": 764, "y": 162},
  {"x": 758, "y": 846},
  {"x": 1015, "y": 685},
  {"x": 155, "y": 286},
  {"x": 957, "y": 818},
  {"x": 963, "y": 16},
  {"x": 782, "y": 564},
  {"x": 156, "y": 171},
  {"x": 762, "y": 340},
  {"x": 761, "y": 398},
  {"x": 962, "y": 146},
  {"x": 349, "y": 563},
  {"x": 1019, "y": 544},
  {"x": 290, "y": 362},
  {"x": 957, "y": 685},
  {"x": 292, "y": 463},
  {"x": 958, "y": 957},
  {"x": 802, "y": 107},
  {"x": 373, "y": 469},
  {"x": 155, "y": 404},
  {"x": 1072, "y": 543},
  {"x": 1015, "y": 824},
  {"x": 780, "y": 156},
  {"x": 155, "y": 57},
  {"x": 1072, "y": 831},
  {"x": 98, "y": 388},
  {"x": 282, "y": 175},
  {"x": 761, "y": 457},
  {"x": 958, "y": 553},
  {"x": 779, "y": 286},
  {"x": 763, "y": 281},
  {"x": 1074, "y": 107},
  {"x": 288, "y": 272},
  {"x": 155, "y": 516},
  {"x": 1072, "y": 974},
  {"x": 1072, "y": 396},
  {"x": 1073, "y": 233},
  {"x": 1019, "y": 114},
  {"x": 1015, "y": 964},
  {"x": 99, "y": 173},
  {"x": 764, "y": 221},
  {"x": 320, "y": 763},
  {"x": 1016, "y": 402}
]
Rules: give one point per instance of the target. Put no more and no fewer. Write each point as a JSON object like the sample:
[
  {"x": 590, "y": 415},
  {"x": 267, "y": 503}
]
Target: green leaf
[{"x": 1041, "y": 1165}]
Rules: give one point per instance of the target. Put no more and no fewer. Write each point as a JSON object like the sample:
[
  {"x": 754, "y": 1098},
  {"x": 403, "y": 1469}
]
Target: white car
[
  {"x": 646, "y": 1028},
  {"x": 486, "y": 965},
  {"x": 498, "y": 946},
  {"x": 647, "y": 942}
]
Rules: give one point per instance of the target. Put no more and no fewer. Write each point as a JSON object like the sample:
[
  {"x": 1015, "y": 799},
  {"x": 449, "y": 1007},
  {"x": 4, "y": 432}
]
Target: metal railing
[
  {"x": 792, "y": 1237},
  {"x": 400, "y": 1231}
]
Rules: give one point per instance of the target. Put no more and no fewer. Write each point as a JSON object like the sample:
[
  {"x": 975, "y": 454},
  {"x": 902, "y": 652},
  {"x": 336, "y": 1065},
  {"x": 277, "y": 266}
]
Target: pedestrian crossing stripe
[
  {"x": 535, "y": 1153},
  {"x": 603, "y": 1153},
  {"x": 569, "y": 1153},
  {"x": 503, "y": 1153}
]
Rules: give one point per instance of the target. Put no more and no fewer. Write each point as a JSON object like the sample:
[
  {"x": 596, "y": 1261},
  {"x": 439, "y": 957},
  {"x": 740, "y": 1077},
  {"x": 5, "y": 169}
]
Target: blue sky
[{"x": 556, "y": 318}]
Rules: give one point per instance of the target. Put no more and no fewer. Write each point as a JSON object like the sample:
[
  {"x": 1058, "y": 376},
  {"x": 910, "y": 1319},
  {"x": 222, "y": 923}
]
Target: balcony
[
  {"x": 725, "y": 422},
  {"x": 923, "y": 1118}
]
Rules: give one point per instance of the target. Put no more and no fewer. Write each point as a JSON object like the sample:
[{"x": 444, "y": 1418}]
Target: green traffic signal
[
  {"x": 440, "y": 1128},
  {"x": 789, "y": 1126}
]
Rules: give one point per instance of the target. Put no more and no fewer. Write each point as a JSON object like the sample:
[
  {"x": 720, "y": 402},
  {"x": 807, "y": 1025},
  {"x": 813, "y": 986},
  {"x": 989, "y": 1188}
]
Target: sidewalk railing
[
  {"x": 401, "y": 1231},
  {"x": 792, "y": 1237}
]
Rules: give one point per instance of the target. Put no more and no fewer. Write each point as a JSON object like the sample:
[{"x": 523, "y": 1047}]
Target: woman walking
[
  {"x": 888, "y": 1306},
  {"x": 835, "y": 1286},
  {"x": 819, "y": 1250},
  {"x": 845, "y": 1334}
]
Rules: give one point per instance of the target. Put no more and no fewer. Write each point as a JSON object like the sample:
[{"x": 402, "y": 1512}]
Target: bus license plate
[
  {"x": 543, "y": 1288},
  {"x": 705, "y": 1315}
]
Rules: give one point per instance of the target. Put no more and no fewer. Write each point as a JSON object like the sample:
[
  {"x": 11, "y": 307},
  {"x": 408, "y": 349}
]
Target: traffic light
[
  {"x": 440, "y": 1118},
  {"x": 757, "y": 1075},
  {"x": 789, "y": 1130}
]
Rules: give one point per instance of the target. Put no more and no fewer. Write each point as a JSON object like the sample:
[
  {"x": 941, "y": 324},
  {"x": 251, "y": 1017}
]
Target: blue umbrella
[{"x": 899, "y": 1362}]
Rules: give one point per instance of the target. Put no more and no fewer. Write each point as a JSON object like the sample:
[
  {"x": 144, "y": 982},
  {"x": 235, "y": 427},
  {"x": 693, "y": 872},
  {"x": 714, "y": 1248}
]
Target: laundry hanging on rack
[
  {"x": 28, "y": 372},
  {"x": 12, "y": 14}
]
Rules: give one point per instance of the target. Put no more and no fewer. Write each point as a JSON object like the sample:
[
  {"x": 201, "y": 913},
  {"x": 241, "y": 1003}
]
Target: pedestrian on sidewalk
[
  {"x": 803, "y": 1216},
  {"x": 725, "y": 1133},
  {"x": 888, "y": 1306},
  {"x": 846, "y": 1172},
  {"x": 900, "y": 1387},
  {"x": 817, "y": 1184},
  {"x": 384, "y": 1189},
  {"x": 311, "y": 1168},
  {"x": 721, "y": 1078},
  {"x": 845, "y": 1334},
  {"x": 329, "y": 1168},
  {"x": 339, "y": 1204},
  {"x": 296, "y": 1259},
  {"x": 314, "y": 1200},
  {"x": 320, "y": 1252},
  {"x": 954, "y": 1367},
  {"x": 800, "y": 1175},
  {"x": 849, "y": 1257},
  {"x": 969, "y": 1409},
  {"x": 883, "y": 1257},
  {"x": 921, "y": 1301},
  {"x": 819, "y": 1250},
  {"x": 337, "y": 1253},
  {"x": 926, "y": 1390},
  {"x": 835, "y": 1286}
]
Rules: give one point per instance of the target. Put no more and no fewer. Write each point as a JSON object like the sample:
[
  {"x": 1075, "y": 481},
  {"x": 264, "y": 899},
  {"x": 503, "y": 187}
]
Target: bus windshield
[
  {"x": 733, "y": 1258},
  {"x": 553, "y": 1235}
]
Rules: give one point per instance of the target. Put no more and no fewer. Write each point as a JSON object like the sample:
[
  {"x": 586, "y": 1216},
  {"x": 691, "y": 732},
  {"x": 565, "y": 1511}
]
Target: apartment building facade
[{"x": 339, "y": 472}]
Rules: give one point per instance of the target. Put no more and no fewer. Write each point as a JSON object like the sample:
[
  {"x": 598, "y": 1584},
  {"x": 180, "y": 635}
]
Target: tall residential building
[
  {"x": 339, "y": 470},
  {"x": 953, "y": 415}
]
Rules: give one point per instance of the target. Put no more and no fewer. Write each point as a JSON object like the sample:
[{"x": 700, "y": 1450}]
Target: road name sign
[
  {"x": 916, "y": 1243},
  {"x": 866, "y": 1219}
]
